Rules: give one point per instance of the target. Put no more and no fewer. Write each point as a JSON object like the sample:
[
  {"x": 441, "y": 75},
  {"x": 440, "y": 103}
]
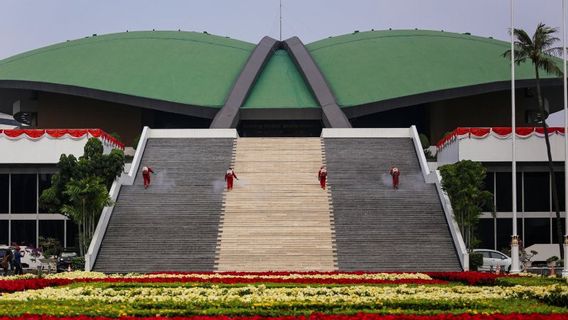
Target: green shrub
[{"x": 475, "y": 261}]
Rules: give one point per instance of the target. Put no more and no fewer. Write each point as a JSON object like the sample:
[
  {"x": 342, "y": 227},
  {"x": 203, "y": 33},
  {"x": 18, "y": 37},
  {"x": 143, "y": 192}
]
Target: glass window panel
[
  {"x": 504, "y": 233},
  {"x": 24, "y": 193},
  {"x": 537, "y": 191},
  {"x": 44, "y": 183},
  {"x": 504, "y": 191},
  {"x": 72, "y": 235},
  {"x": 489, "y": 186},
  {"x": 24, "y": 232},
  {"x": 52, "y": 229},
  {"x": 4, "y": 192},
  {"x": 562, "y": 227},
  {"x": 537, "y": 230},
  {"x": 560, "y": 189},
  {"x": 4, "y": 232},
  {"x": 485, "y": 233}
]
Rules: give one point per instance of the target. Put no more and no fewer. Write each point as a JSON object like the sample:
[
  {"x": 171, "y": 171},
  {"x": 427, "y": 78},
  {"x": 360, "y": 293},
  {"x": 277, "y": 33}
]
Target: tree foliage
[
  {"x": 80, "y": 188},
  {"x": 463, "y": 182}
]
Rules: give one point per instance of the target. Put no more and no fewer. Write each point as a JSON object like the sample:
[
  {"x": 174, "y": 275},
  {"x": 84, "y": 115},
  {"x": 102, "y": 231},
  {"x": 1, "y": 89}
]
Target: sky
[{"x": 31, "y": 24}]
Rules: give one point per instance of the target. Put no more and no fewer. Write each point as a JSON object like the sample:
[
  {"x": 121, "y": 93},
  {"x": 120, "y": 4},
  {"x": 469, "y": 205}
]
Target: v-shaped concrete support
[
  {"x": 332, "y": 115},
  {"x": 228, "y": 116}
]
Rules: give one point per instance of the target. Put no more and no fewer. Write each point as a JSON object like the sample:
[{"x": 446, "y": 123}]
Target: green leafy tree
[
  {"x": 80, "y": 188},
  {"x": 463, "y": 182},
  {"x": 540, "y": 51}
]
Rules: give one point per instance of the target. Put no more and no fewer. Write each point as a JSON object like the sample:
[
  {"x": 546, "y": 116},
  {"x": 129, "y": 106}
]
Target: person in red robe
[
  {"x": 146, "y": 175},
  {"x": 322, "y": 176},
  {"x": 229, "y": 176},
  {"x": 395, "y": 173}
]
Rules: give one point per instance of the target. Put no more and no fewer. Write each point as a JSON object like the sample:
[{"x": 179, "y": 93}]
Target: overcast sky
[{"x": 30, "y": 24}]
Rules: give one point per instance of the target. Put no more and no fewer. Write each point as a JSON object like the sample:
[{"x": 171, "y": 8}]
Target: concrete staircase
[
  {"x": 172, "y": 225},
  {"x": 378, "y": 228},
  {"x": 277, "y": 217}
]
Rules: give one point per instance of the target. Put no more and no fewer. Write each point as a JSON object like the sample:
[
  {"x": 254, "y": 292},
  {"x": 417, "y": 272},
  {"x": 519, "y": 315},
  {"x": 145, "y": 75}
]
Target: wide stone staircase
[
  {"x": 173, "y": 225},
  {"x": 378, "y": 228},
  {"x": 277, "y": 217}
]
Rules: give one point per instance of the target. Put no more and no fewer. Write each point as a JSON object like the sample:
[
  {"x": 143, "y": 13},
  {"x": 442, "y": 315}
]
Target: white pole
[
  {"x": 280, "y": 20},
  {"x": 565, "y": 270},
  {"x": 514, "y": 237}
]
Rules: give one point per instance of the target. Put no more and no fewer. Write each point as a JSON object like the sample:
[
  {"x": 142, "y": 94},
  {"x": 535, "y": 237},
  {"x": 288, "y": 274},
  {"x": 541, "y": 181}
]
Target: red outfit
[
  {"x": 229, "y": 176},
  {"x": 146, "y": 175},
  {"x": 395, "y": 173},
  {"x": 322, "y": 177}
]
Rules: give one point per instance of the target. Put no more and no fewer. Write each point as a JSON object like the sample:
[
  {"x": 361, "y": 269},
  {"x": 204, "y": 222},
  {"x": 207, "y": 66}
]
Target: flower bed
[
  {"x": 252, "y": 295},
  {"x": 318, "y": 316}
]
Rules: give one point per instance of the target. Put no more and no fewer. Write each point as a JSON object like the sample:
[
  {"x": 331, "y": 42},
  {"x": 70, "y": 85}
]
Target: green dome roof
[
  {"x": 185, "y": 67},
  {"x": 366, "y": 67},
  {"x": 200, "y": 69}
]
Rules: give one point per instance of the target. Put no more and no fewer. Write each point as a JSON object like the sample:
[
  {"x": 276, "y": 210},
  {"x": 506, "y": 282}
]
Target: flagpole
[
  {"x": 514, "y": 236},
  {"x": 565, "y": 270}
]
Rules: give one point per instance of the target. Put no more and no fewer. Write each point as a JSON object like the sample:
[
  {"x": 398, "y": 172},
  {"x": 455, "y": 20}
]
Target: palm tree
[
  {"x": 87, "y": 198},
  {"x": 539, "y": 49}
]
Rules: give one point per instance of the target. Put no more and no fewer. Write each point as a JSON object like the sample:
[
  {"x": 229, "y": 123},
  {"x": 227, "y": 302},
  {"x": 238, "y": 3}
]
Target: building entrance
[{"x": 280, "y": 128}]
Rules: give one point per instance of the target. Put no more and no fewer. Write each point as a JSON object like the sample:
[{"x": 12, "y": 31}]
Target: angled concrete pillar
[
  {"x": 228, "y": 116},
  {"x": 332, "y": 115}
]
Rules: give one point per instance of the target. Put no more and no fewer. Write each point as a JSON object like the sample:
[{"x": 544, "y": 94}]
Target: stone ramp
[
  {"x": 174, "y": 224},
  {"x": 378, "y": 228},
  {"x": 277, "y": 217}
]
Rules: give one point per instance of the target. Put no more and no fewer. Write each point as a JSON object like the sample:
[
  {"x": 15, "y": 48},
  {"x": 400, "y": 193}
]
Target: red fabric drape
[
  {"x": 59, "y": 133},
  {"x": 501, "y": 132}
]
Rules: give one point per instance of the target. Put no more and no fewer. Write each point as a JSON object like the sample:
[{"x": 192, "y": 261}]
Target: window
[
  {"x": 505, "y": 231},
  {"x": 537, "y": 191},
  {"x": 496, "y": 255},
  {"x": 537, "y": 230},
  {"x": 4, "y": 232},
  {"x": 489, "y": 186},
  {"x": 24, "y": 232},
  {"x": 4, "y": 193},
  {"x": 486, "y": 233},
  {"x": 485, "y": 254},
  {"x": 560, "y": 188},
  {"x": 562, "y": 227},
  {"x": 44, "y": 183},
  {"x": 24, "y": 193},
  {"x": 504, "y": 192},
  {"x": 51, "y": 229},
  {"x": 72, "y": 234}
]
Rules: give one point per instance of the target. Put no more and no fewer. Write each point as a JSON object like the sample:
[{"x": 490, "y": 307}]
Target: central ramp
[{"x": 277, "y": 218}]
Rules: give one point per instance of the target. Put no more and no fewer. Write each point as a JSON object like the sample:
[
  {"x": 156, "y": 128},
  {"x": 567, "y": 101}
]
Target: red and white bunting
[
  {"x": 38, "y": 134},
  {"x": 497, "y": 132}
]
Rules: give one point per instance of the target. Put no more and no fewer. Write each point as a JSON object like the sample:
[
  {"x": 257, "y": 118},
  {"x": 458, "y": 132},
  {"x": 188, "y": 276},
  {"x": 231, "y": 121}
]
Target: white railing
[
  {"x": 435, "y": 178},
  {"x": 129, "y": 179},
  {"x": 420, "y": 153},
  {"x": 452, "y": 224},
  {"x": 125, "y": 179}
]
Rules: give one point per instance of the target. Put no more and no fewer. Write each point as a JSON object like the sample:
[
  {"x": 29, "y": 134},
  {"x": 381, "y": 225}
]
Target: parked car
[
  {"x": 494, "y": 258},
  {"x": 65, "y": 260}
]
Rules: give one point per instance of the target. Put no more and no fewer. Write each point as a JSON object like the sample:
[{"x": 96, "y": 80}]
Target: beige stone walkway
[{"x": 277, "y": 217}]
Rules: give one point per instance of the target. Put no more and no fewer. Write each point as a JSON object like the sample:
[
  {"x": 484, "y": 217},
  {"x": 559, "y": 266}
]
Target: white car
[
  {"x": 30, "y": 260},
  {"x": 494, "y": 258}
]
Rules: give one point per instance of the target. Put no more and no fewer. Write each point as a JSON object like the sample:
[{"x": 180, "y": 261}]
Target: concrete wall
[{"x": 62, "y": 111}]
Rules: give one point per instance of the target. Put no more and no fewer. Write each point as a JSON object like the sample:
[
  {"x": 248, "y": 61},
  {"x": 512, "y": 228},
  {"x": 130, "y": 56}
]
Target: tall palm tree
[{"x": 540, "y": 50}]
